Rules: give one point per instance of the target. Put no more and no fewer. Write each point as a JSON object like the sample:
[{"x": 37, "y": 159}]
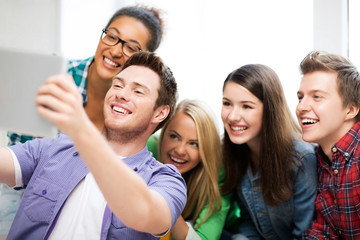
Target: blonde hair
[{"x": 202, "y": 180}]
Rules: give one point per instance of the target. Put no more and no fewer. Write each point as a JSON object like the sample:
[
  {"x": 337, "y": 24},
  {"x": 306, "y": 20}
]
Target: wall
[
  {"x": 81, "y": 25},
  {"x": 331, "y": 28},
  {"x": 354, "y": 33},
  {"x": 32, "y": 25}
]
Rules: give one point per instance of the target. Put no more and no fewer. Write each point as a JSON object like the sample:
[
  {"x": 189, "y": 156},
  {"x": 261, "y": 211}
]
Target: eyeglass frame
[{"x": 105, "y": 30}]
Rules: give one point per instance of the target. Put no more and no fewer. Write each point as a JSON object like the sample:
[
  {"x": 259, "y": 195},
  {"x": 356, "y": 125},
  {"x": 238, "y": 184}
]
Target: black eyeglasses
[{"x": 111, "y": 39}]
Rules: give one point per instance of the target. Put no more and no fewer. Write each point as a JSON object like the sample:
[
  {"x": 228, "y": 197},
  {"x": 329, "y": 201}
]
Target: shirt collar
[
  {"x": 137, "y": 160},
  {"x": 348, "y": 144}
]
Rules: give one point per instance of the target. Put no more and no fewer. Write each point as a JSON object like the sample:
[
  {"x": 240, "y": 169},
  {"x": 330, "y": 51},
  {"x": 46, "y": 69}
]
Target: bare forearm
[
  {"x": 7, "y": 169},
  {"x": 124, "y": 190},
  {"x": 180, "y": 229}
]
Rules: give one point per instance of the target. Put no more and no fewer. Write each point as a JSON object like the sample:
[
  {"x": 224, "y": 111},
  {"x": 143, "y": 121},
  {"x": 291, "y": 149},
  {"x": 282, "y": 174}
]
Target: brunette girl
[{"x": 271, "y": 170}]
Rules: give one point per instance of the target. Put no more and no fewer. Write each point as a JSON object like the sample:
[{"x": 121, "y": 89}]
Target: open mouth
[
  {"x": 308, "y": 121},
  {"x": 238, "y": 129},
  {"x": 110, "y": 63},
  {"x": 177, "y": 160},
  {"x": 120, "y": 110}
]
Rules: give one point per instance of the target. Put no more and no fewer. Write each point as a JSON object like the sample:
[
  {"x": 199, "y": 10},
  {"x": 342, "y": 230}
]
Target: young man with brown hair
[
  {"x": 88, "y": 185},
  {"x": 328, "y": 112}
]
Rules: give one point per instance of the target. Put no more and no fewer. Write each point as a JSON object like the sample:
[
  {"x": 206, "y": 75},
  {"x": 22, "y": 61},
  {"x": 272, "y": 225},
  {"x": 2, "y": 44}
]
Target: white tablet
[{"x": 21, "y": 74}]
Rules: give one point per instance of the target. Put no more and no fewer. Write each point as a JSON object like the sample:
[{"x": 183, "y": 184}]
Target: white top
[
  {"x": 83, "y": 211},
  {"x": 191, "y": 235},
  {"x": 82, "y": 214}
]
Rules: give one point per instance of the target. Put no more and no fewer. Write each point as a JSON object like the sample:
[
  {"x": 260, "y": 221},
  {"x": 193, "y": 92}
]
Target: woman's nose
[
  {"x": 235, "y": 114},
  {"x": 181, "y": 148},
  {"x": 117, "y": 50}
]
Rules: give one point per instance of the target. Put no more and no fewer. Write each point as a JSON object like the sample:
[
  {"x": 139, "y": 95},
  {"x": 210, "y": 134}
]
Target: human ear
[
  {"x": 161, "y": 113},
  {"x": 352, "y": 112}
]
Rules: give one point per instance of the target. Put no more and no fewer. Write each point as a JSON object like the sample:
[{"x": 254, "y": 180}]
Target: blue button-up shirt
[{"x": 52, "y": 168}]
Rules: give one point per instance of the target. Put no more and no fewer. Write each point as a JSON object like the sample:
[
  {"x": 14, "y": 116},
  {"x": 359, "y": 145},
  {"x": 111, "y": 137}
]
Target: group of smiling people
[{"x": 267, "y": 176}]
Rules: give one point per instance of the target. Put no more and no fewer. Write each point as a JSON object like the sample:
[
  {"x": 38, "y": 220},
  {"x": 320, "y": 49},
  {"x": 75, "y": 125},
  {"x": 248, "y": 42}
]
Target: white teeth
[
  {"x": 111, "y": 63},
  {"x": 120, "y": 110},
  {"x": 308, "y": 121},
  {"x": 238, "y": 128},
  {"x": 176, "y": 160}
]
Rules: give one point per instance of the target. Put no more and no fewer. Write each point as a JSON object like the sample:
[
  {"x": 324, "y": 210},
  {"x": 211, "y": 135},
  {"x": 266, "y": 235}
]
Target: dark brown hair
[
  {"x": 151, "y": 19},
  {"x": 167, "y": 94},
  {"x": 278, "y": 130}
]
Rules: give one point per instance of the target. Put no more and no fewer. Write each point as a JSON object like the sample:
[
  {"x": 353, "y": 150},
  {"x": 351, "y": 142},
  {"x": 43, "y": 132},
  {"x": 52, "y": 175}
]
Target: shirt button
[
  {"x": 44, "y": 192},
  {"x": 75, "y": 154},
  {"x": 335, "y": 201},
  {"x": 336, "y": 171},
  {"x": 334, "y": 149},
  {"x": 347, "y": 154},
  {"x": 153, "y": 163}
]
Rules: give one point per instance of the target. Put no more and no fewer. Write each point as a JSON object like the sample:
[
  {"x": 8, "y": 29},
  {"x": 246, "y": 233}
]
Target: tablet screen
[{"x": 21, "y": 74}]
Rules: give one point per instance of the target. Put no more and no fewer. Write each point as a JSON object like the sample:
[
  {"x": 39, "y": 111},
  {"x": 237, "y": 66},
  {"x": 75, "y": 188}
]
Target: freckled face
[
  {"x": 180, "y": 145},
  {"x": 242, "y": 115}
]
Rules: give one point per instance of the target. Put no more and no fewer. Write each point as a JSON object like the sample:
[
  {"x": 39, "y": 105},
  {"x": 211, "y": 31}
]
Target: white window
[{"x": 354, "y": 33}]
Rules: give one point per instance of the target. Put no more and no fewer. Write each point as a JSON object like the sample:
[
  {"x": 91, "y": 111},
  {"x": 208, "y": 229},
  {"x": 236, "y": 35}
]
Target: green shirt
[{"x": 213, "y": 226}]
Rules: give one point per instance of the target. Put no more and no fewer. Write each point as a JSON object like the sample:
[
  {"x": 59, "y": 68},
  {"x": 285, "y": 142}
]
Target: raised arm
[
  {"x": 126, "y": 193},
  {"x": 7, "y": 169},
  {"x": 124, "y": 190}
]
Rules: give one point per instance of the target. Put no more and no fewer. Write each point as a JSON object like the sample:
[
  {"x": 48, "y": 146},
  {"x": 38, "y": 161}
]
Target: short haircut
[
  {"x": 167, "y": 94},
  {"x": 348, "y": 77}
]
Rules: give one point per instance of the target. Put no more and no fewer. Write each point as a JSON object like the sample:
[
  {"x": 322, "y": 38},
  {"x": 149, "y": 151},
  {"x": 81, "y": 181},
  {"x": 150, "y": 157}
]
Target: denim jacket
[{"x": 287, "y": 220}]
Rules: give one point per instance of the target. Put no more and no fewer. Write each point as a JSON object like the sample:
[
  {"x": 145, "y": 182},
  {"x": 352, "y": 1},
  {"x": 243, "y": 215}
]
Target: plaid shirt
[
  {"x": 338, "y": 199},
  {"x": 79, "y": 71}
]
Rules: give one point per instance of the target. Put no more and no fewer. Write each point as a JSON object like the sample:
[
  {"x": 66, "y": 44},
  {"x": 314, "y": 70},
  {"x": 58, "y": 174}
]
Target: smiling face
[
  {"x": 180, "y": 144},
  {"x": 242, "y": 115},
  {"x": 110, "y": 59},
  {"x": 320, "y": 110},
  {"x": 129, "y": 103}
]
